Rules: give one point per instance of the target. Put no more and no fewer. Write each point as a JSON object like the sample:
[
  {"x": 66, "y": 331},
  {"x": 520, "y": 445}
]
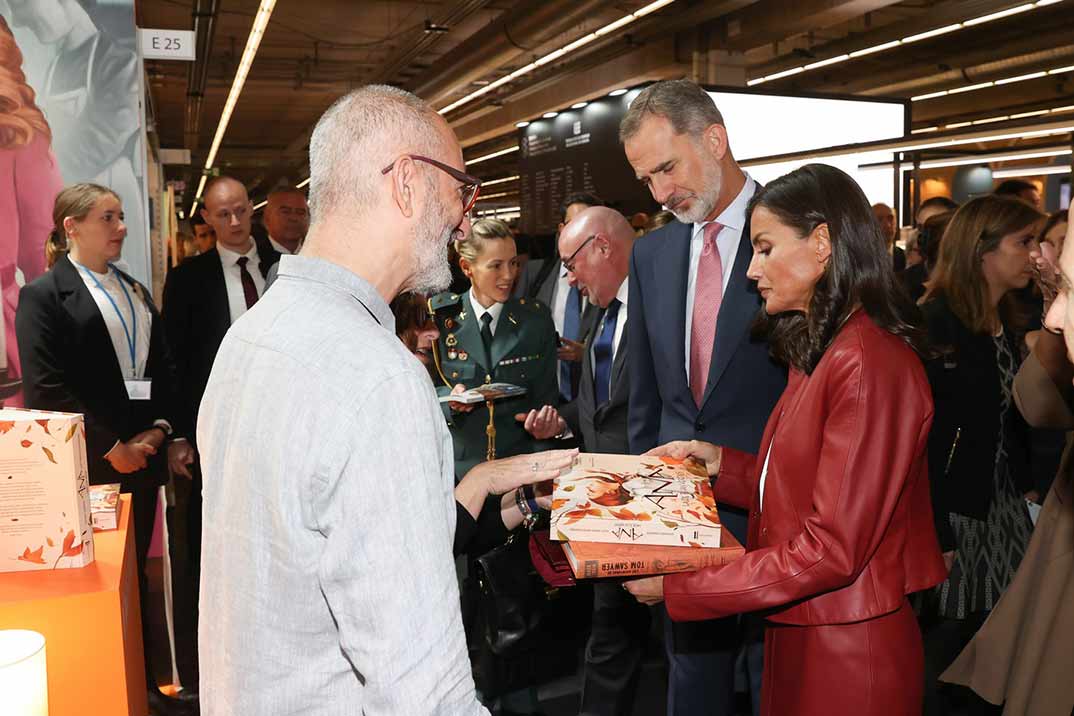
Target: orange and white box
[{"x": 44, "y": 491}]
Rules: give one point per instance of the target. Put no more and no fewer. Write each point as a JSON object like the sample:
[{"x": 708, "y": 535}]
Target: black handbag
[
  {"x": 529, "y": 632},
  {"x": 511, "y": 595}
]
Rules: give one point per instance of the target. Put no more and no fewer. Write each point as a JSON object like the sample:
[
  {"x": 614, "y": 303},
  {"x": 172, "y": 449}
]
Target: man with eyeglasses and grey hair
[{"x": 328, "y": 585}]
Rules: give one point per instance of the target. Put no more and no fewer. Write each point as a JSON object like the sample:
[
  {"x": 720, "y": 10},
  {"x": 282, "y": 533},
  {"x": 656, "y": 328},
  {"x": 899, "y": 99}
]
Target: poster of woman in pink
[{"x": 29, "y": 181}]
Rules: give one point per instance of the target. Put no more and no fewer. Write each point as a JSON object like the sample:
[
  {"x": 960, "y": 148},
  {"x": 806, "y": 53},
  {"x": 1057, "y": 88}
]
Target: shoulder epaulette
[
  {"x": 443, "y": 300},
  {"x": 531, "y": 303}
]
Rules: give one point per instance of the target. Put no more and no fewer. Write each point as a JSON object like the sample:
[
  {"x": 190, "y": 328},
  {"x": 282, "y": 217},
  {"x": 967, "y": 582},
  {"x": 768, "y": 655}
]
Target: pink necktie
[{"x": 708, "y": 292}]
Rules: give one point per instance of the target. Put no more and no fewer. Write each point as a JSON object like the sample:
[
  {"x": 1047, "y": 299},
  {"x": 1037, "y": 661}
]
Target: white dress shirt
[
  {"x": 559, "y": 297},
  {"x": 140, "y": 326},
  {"x": 620, "y": 325},
  {"x": 764, "y": 478},
  {"x": 229, "y": 260},
  {"x": 494, "y": 310},
  {"x": 279, "y": 247},
  {"x": 733, "y": 220},
  {"x": 107, "y": 286}
]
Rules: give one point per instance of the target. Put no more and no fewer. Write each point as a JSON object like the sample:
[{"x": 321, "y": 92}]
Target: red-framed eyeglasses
[{"x": 468, "y": 192}]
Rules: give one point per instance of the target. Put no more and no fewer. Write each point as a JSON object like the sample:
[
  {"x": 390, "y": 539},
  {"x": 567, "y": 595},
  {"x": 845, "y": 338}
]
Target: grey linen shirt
[{"x": 328, "y": 585}]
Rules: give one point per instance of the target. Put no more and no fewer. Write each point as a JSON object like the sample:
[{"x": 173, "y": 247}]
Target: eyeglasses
[
  {"x": 569, "y": 263},
  {"x": 471, "y": 186}
]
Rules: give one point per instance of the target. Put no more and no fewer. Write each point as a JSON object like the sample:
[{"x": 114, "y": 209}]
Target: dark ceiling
[{"x": 315, "y": 50}]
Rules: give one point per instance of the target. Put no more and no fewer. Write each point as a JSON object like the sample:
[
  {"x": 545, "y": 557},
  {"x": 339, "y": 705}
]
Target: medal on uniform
[
  {"x": 449, "y": 324},
  {"x": 451, "y": 354},
  {"x": 451, "y": 341},
  {"x": 463, "y": 355}
]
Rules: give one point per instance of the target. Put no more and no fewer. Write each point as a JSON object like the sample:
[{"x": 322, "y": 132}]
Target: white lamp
[{"x": 23, "y": 679}]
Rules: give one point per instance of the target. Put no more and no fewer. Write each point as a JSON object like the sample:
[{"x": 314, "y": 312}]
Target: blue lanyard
[{"x": 130, "y": 333}]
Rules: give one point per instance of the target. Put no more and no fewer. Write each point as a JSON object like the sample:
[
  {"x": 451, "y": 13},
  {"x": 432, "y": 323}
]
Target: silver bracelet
[{"x": 528, "y": 516}]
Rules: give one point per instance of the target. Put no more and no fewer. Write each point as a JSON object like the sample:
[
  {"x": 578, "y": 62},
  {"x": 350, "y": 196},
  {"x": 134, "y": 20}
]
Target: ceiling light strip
[
  {"x": 499, "y": 181},
  {"x": 996, "y": 83},
  {"x": 969, "y": 161},
  {"x": 1031, "y": 171},
  {"x": 1023, "y": 115},
  {"x": 904, "y": 41},
  {"x": 557, "y": 54},
  {"x": 497, "y": 195},
  {"x": 493, "y": 155},
  {"x": 906, "y": 144},
  {"x": 257, "y": 31}
]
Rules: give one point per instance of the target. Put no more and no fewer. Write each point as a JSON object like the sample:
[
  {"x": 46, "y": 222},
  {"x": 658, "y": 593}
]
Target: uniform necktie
[
  {"x": 572, "y": 326},
  {"x": 486, "y": 338},
  {"x": 249, "y": 290},
  {"x": 603, "y": 351},
  {"x": 708, "y": 293}
]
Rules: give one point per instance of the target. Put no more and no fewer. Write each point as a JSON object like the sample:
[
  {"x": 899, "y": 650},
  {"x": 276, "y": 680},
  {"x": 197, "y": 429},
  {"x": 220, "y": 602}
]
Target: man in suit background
[
  {"x": 889, "y": 227},
  {"x": 695, "y": 372},
  {"x": 202, "y": 298},
  {"x": 597, "y": 244},
  {"x": 545, "y": 280},
  {"x": 287, "y": 219}
]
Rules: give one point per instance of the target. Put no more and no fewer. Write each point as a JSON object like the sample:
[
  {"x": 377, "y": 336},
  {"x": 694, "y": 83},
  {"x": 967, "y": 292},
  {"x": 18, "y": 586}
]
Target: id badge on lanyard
[{"x": 137, "y": 389}]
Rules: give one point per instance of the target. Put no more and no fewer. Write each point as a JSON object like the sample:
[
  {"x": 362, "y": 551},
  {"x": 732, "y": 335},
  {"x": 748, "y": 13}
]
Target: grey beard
[{"x": 432, "y": 271}]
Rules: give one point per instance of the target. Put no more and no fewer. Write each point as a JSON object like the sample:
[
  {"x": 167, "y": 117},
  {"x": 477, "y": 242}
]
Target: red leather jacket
[{"x": 846, "y": 529}]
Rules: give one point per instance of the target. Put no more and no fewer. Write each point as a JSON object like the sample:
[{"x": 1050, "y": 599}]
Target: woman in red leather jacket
[{"x": 841, "y": 525}]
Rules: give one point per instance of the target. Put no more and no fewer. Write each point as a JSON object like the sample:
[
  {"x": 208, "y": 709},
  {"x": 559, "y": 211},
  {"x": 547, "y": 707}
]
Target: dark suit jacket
[
  {"x": 602, "y": 428},
  {"x": 69, "y": 364},
  {"x": 197, "y": 315},
  {"x": 538, "y": 280},
  {"x": 743, "y": 384}
]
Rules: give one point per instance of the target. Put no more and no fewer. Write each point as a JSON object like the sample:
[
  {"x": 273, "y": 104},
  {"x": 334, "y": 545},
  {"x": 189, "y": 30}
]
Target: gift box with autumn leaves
[
  {"x": 627, "y": 499},
  {"x": 44, "y": 491}
]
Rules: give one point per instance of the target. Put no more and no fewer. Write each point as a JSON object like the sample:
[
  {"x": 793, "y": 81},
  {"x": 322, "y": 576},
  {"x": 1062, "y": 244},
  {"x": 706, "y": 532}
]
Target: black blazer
[
  {"x": 603, "y": 428},
  {"x": 69, "y": 364},
  {"x": 966, "y": 395},
  {"x": 743, "y": 384},
  {"x": 197, "y": 315},
  {"x": 538, "y": 280}
]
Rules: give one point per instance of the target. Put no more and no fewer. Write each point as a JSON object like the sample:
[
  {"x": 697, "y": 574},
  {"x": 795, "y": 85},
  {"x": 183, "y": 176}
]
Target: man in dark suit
[
  {"x": 597, "y": 244},
  {"x": 545, "y": 280},
  {"x": 202, "y": 298},
  {"x": 695, "y": 371}
]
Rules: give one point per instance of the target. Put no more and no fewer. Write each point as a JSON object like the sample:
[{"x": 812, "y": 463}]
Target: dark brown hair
[
  {"x": 859, "y": 272},
  {"x": 976, "y": 229},
  {"x": 411, "y": 311}
]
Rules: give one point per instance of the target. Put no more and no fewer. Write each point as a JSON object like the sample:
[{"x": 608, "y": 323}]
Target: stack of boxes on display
[{"x": 45, "y": 520}]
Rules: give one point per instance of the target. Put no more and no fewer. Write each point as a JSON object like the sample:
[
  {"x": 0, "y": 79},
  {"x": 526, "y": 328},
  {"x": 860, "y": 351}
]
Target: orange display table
[{"x": 91, "y": 621}]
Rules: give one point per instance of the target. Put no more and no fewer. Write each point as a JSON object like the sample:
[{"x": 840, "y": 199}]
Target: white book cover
[{"x": 627, "y": 499}]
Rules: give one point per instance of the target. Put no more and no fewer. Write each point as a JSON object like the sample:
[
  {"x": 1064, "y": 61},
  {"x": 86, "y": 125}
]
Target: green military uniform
[{"x": 523, "y": 353}]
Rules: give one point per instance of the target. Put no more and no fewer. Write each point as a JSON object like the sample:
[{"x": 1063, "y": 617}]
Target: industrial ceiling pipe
[
  {"x": 981, "y": 72},
  {"x": 517, "y": 32},
  {"x": 204, "y": 14}
]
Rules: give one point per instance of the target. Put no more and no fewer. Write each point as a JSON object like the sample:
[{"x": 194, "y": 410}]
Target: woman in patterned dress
[{"x": 978, "y": 456}]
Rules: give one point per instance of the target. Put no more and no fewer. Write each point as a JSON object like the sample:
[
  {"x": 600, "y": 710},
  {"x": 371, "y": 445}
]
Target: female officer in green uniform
[{"x": 486, "y": 336}]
